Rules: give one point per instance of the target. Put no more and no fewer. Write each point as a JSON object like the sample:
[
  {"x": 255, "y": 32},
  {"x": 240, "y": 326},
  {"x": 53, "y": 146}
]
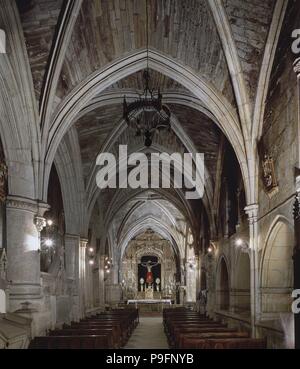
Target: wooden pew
[
  {"x": 190, "y": 330},
  {"x": 224, "y": 343},
  {"x": 72, "y": 342},
  {"x": 183, "y": 339},
  {"x": 117, "y": 342}
]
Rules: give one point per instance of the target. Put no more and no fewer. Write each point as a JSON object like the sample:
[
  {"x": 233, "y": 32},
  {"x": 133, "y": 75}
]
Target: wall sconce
[
  {"x": 49, "y": 222},
  {"x": 210, "y": 251},
  {"x": 107, "y": 264},
  {"x": 241, "y": 244},
  {"x": 49, "y": 242}
]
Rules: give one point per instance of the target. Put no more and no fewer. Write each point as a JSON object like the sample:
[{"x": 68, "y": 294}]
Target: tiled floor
[{"x": 149, "y": 334}]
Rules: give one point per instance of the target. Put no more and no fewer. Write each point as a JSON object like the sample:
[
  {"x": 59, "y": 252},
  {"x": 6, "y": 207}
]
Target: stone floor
[{"x": 149, "y": 334}]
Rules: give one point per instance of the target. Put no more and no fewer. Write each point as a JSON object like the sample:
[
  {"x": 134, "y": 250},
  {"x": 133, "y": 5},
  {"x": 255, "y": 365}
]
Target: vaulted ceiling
[{"x": 190, "y": 33}]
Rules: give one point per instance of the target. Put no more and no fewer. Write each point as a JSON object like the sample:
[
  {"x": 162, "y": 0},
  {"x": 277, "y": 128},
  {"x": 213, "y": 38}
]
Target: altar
[
  {"x": 150, "y": 301},
  {"x": 150, "y": 305}
]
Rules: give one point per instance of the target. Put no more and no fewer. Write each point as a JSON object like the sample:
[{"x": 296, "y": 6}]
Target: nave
[{"x": 149, "y": 158}]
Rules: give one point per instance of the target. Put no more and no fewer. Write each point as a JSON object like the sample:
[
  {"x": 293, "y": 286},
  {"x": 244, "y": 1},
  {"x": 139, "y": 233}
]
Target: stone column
[
  {"x": 252, "y": 212},
  {"x": 2, "y": 42},
  {"x": 82, "y": 276},
  {"x": 71, "y": 244},
  {"x": 24, "y": 222},
  {"x": 101, "y": 282},
  {"x": 296, "y": 259},
  {"x": 297, "y": 71},
  {"x": 296, "y": 256}
]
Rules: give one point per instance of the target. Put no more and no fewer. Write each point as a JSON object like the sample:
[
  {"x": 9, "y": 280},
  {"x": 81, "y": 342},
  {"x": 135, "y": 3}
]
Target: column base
[{"x": 20, "y": 293}]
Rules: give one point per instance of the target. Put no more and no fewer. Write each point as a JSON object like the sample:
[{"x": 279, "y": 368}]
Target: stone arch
[
  {"x": 220, "y": 107},
  {"x": 277, "y": 268},
  {"x": 223, "y": 284},
  {"x": 67, "y": 162}
]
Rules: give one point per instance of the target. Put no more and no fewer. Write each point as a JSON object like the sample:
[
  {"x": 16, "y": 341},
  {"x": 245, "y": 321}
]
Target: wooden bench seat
[
  {"x": 117, "y": 341},
  {"x": 181, "y": 341},
  {"x": 224, "y": 343},
  {"x": 72, "y": 342}
]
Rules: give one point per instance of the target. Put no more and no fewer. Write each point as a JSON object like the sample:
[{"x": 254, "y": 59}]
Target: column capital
[
  {"x": 40, "y": 223},
  {"x": 297, "y": 179},
  {"x": 252, "y": 212},
  {"x": 296, "y": 210},
  {"x": 83, "y": 242},
  {"x": 296, "y": 66}
]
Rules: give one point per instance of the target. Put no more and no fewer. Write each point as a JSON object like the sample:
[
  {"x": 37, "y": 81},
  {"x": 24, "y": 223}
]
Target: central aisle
[{"x": 149, "y": 334}]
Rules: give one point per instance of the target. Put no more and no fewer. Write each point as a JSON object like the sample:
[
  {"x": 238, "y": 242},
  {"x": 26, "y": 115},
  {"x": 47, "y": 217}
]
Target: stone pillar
[
  {"x": 23, "y": 251},
  {"x": 296, "y": 256},
  {"x": 101, "y": 282},
  {"x": 252, "y": 212},
  {"x": 89, "y": 285},
  {"x": 71, "y": 244},
  {"x": 227, "y": 209},
  {"x": 238, "y": 198},
  {"x": 296, "y": 260},
  {"x": 2, "y": 42},
  {"x": 82, "y": 275},
  {"x": 297, "y": 71}
]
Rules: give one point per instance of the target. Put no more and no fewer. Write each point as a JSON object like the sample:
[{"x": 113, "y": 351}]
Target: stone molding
[
  {"x": 296, "y": 66},
  {"x": 40, "y": 223},
  {"x": 21, "y": 203},
  {"x": 83, "y": 242},
  {"x": 252, "y": 212}
]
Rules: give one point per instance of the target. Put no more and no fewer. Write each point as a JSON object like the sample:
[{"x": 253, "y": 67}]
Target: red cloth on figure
[{"x": 149, "y": 277}]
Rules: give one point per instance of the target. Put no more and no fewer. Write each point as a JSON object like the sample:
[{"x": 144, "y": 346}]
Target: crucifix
[{"x": 149, "y": 265}]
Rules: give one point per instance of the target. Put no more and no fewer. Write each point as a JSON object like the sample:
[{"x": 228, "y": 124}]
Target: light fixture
[
  {"x": 49, "y": 222},
  {"x": 210, "y": 250},
  {"x": 147, "y": 114},
  {"x": 107, "y": 270},
  {"x": 91, "y": 249},
  {"x": 49, "y": 242},
  {"x": 239, "y": 242},
  {"x": 91, "y": 262}
]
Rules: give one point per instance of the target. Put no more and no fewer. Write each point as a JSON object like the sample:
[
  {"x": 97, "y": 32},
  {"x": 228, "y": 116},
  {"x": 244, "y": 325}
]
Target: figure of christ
[{"x": 149, "y": 265}]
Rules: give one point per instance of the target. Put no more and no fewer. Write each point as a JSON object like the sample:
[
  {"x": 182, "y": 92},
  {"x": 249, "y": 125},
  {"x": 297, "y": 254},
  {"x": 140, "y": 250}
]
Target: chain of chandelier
[{"x": 147, "y": 114}]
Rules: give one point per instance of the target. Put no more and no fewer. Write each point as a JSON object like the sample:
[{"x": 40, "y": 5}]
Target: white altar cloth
[{"x": 152, "y": 301}]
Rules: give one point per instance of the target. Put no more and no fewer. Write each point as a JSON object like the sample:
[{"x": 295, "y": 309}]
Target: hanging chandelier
[{"x": 147, "y": 114}]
